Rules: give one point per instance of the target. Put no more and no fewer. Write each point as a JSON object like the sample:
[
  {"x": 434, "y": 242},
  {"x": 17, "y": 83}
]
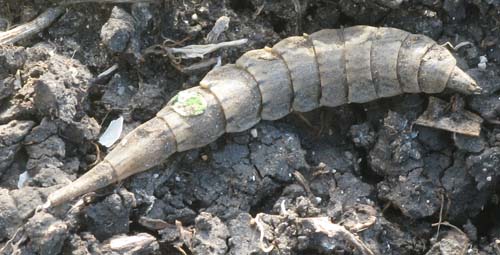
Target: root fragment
[
  {"x": 303, "y": 182},
  {"x": 359, "y": 218},
  {"x": 322, "y": 226},
  {"x": 31, "y": 28},
  {"x": 456, "y": 47},
  {"x": 199, "y": 51},
  {"x": 220, "y": 26},
  {"x": 323, "y": 235},
  {"x": 260, "y": 226},
  {"x": 438, "y": 115}
]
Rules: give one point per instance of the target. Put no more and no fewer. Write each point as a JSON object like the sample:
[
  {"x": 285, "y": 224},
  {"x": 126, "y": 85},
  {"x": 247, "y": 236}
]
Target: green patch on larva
[{"x": 188, "y": 103}]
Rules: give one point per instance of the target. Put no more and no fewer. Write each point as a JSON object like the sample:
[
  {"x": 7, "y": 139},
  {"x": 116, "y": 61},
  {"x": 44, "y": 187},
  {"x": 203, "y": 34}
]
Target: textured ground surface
[{"x": 380, "y": 181}]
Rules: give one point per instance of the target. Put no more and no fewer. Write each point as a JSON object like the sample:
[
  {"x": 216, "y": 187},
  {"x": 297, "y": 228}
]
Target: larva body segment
[
  {"x": 298, "y": 54},
  {"x": 358, "y": 45},
  {"x": 271, "y": 75},
  {"x": 435, "y": 69},
  {"x": 384, "y": 61},
  {"x": 204, "y": 123},
  {"x": 237, "y": 93},
  {"x": 411, "y": 53},
  {"x": 327, "y": 68},
  {"x": 330, "y": 54}
]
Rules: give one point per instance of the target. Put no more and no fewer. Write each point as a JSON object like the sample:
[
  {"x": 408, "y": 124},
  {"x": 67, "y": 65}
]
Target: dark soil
[{"x": 359, "y": 165}]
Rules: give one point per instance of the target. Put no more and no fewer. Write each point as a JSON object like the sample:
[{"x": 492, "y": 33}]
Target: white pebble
[
  {"x": 488, "y": 178},
  {"x": 482, "y": 62},
  {"x": 254, "y": 133},
  {"x": 22, "y": 179},
  {"x": 483, "y": 59}
]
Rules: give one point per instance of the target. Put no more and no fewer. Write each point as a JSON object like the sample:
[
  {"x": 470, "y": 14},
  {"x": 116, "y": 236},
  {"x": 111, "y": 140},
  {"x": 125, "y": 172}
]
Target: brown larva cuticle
[{"x": 328, "y": 68}]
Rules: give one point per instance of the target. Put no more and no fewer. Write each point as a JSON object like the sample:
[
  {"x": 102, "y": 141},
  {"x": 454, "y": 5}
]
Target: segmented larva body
[{"x": 331, "y": 67}]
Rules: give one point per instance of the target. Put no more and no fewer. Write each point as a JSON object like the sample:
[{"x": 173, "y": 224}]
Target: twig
[
  {"x": 306, "y": 121},
  {"x": 33, "y": 27},
  {"x": 220, "y": 26},
  {"x": 107, "y": 72},
  {"x": 204, "y": 64},
  {"x": 302, "y": 181},
  {"x": 98, "y": 156},
  {"x": 445, "y": 223},
  {"x": 9, "y": 243},
  {"x": 199, "y": 51},
  {"x": 298, "y": 10},
  {"x": 440, "y": 216},
  {"x": 259, "y": 10},
  {"x": 100, "y": 78},
  {"x": 260, "y": 226},
  {"x": 462, "y": 44},
  {"x": 456, "y": 47}
]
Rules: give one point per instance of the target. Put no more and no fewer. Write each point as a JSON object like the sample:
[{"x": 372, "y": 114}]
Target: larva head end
[{"x": 463, "y": 83}]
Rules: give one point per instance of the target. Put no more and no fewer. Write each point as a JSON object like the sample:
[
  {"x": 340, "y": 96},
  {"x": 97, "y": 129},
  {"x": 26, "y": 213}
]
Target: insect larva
[{"x": 328, "y": 68}]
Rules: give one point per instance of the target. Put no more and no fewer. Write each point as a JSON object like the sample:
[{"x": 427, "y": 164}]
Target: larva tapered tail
[{"x": 328, "y": 68}]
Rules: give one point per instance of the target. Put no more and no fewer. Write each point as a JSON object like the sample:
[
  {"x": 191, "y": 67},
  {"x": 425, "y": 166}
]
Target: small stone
[
  {"x": 141, "y": 243},
  {"x": 254, "y": 133},
  {"x": 210, "y": 235},
  {"x": 109, "y": 217},
  {"x": 482, "y": 62},
  {"x": 117, "y": 31}
]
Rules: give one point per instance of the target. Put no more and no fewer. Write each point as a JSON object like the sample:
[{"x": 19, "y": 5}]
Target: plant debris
[
  {"x": 442, "y": 115},
  {"x": 29, "y": 29}
]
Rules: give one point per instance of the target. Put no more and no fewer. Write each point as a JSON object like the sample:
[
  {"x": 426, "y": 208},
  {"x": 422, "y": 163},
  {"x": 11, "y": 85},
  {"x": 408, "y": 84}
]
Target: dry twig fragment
[
  {"x": 35, "y": 26},
  {"x": 220, "y": 26},
  {"x": 438, "y": 116},
  {"x": 199, "y": 51}
]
